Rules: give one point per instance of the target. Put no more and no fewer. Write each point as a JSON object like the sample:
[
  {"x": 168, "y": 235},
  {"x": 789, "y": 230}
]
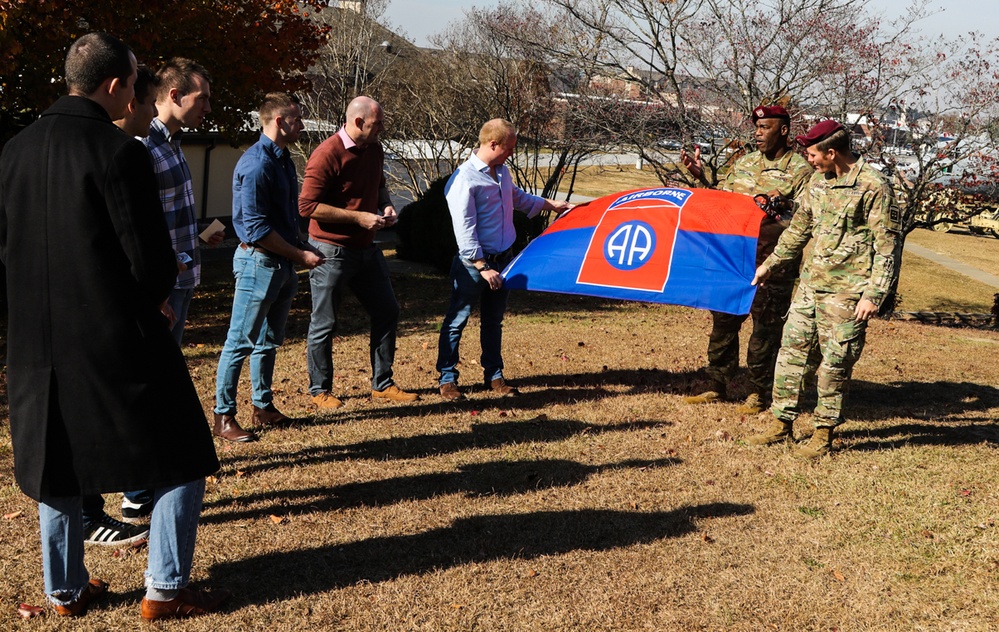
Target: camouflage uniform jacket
[
  {"x": 856, "y": 228},
  {"x": 753, "y": 174}
]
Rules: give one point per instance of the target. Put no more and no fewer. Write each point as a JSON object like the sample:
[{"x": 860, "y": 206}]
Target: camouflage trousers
[
  {"x": 827, "y": 320},
  {"x": 769, "y": 310}
]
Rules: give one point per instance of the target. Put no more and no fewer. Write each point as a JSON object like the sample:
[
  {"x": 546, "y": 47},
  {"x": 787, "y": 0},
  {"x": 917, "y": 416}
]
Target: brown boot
[
  {"x": 450, "y": 391},
  {"x": 268, "y": 416},
  {"x": 777, "y": 432},
  {"x": 754, "y": 405},
  {"x": 819, "y": 445},
  {"x": 715, "y": 392},
  {"x": 500, "y": 387},
  {"x": 226, "y": 427}
]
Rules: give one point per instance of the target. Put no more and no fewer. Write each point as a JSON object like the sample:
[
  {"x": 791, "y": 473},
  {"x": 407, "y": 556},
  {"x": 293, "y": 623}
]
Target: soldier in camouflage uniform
[
  {"x": 848, "y": 211},
  {"x": 773, "y": 170}
]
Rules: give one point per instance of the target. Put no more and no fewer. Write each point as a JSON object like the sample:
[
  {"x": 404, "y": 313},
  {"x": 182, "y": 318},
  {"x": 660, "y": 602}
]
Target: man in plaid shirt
[{"x": 182, "y": 102}]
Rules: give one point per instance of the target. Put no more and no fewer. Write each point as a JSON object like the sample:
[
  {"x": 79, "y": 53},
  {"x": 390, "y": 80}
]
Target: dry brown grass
[
  {"x": 596, "y": 500},
  {"x": 596, "y": 181}
]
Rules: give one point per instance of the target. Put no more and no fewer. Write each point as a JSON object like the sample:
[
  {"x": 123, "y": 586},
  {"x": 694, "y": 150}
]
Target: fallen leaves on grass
[
  {"x": 278, "y": 519},
  {"x": 30, "y": 612},
  {"x": 838, "y": 576},
  {"x": 13, "y": 514},
  {"x": 123, "y": 552}
]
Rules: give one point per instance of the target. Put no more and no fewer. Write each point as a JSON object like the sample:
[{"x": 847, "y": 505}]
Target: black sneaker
[
  {"x": 134, "y": 512},
  {"x": 111, "y": 532}
]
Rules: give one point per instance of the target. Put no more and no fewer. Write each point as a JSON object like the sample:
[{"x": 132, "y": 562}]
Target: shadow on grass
[
  {"x": 422, "y": 298},
  {"x": 466, "y": 540},
  {"x": 480, "y": 436},
  {"x": 944, "y": 406},
  {"x": 495, "y": 478}
]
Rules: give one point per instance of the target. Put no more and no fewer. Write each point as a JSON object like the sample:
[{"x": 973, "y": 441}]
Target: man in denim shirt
[
  {"x": 481, "y": 197},
  {"x": 265, "y": 218}
]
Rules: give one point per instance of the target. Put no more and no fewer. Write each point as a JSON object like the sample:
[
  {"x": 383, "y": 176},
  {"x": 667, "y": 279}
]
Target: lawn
[{"x": 595, "y": 500}]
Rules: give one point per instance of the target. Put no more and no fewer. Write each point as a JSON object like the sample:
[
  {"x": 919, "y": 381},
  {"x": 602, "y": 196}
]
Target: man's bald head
[{"x": 365, "y": 120}]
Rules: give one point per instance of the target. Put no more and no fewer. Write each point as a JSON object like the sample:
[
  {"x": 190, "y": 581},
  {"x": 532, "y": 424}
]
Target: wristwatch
[{"x": 485, "y": 266}]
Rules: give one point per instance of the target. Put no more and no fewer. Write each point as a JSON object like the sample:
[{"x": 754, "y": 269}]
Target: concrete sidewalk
[{"x": 952, "y": 264}]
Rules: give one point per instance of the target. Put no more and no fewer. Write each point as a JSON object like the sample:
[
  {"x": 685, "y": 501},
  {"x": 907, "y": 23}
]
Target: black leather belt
[{"x": 501, "y": 257}]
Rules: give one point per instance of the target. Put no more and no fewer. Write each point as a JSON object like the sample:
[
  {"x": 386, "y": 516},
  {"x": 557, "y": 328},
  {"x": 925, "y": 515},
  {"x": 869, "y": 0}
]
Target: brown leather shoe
[
  {"x": 501, "y": 388},
  {"x": 78, "y": 607},
  {"x": 450, "y": 391},
  {"x": 326, "y": 401},
  {"x": 395, "y": 394},
  {"x": 187, "y": 603},
  {"x": 228, "y": 428},
  {"x": 268, "y": 416}
]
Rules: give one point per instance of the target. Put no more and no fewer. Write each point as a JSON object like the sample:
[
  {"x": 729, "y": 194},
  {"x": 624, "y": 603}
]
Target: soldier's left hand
[{"x": 865, "y": 310}]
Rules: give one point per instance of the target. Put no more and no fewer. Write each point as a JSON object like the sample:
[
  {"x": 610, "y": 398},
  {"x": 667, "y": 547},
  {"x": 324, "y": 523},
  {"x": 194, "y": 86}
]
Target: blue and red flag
[{"x": 694, "y": 247}]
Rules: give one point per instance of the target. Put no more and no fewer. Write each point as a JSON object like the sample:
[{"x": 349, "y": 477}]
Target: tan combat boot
[
  {"x": 754, "y": 405},
  {"x": 777, "y": 432},
  {"x": 715, "y": 392},
  {"x": 819, "y": 445}
]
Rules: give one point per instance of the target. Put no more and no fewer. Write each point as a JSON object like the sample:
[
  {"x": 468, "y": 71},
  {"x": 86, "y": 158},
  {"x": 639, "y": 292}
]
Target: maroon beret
[
  {"x": 770, "y": 111},
  {"x": 819, "y": 132}
]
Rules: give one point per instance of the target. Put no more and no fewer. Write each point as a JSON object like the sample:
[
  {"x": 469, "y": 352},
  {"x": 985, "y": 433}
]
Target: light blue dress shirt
[{"x": 482, "y": 208}]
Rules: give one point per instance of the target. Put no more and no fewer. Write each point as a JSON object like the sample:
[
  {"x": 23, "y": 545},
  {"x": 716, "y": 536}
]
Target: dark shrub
[{"x": 425, "y": 232}]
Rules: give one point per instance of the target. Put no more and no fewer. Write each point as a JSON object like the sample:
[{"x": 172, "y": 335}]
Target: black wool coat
[{"x": 100, "y": 396}]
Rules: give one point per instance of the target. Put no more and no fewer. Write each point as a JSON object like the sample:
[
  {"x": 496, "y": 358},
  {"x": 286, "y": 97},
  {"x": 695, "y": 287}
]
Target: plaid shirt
[{"x": 177, "y": 197}]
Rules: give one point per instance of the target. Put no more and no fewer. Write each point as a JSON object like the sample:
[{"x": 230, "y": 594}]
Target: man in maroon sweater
[{"x": 346, "y": 200}]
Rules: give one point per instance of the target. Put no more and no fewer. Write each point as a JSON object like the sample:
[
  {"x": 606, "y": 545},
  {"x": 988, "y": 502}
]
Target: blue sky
[{"x": 421, "y": 18}]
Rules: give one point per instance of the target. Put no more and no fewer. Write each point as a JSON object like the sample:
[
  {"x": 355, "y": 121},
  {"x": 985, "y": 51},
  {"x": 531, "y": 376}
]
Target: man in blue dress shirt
[
  {"x": 265, "y": 218},
  {"x": 481, "y": 197}
]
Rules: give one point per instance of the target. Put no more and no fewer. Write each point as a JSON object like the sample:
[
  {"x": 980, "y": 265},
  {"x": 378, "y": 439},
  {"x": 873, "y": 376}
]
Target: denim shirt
[
  {"x": 482, "y": 208},
  {"x": 265, "y": 194}
]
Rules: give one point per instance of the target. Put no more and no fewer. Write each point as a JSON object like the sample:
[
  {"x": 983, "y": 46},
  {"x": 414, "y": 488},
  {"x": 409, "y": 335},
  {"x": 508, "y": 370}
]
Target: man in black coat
[{"x": 100, "y": 397}]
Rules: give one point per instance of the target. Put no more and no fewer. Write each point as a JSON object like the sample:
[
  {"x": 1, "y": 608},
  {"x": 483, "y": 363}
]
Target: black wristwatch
[{"x": 485, "y": 266}]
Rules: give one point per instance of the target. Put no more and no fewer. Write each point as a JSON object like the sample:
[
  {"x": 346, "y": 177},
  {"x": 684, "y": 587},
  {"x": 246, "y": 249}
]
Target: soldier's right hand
[
  {"x": 762, "y": 274},
  {"x": 694, "y": 165}
]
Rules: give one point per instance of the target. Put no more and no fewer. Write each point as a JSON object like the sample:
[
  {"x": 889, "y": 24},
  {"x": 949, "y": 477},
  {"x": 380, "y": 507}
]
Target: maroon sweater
[{"x": 347, "y": 178}]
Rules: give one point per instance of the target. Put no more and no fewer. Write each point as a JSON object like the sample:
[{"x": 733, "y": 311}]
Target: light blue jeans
[
  {"x": 364, "y": 271},
  {"x": 172, "y": 533},
  {"x": 265, "y": 286},
  {"x": 468, "y": 288}
]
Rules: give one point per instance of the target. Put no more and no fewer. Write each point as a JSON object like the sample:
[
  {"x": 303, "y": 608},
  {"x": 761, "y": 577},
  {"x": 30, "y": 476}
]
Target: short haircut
[
  {"x": 498, "y": 130},
  {"x": 93, "y": 59},
  {"x": 146, "y": 83},
  {"x": 274, "y": 104},
  {"x": 838, "y": 140},
  {"x": 179, "y": 73}
]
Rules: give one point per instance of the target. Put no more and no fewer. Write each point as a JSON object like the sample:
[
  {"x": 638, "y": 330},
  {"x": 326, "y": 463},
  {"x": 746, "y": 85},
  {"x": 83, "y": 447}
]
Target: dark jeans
[
  {"x": 468, "y": 288},
  {"x": 365, "y": 273}
]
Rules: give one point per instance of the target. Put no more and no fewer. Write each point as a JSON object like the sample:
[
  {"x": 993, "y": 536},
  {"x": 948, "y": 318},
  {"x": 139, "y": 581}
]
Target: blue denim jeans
[
  {"x": 265, "y": 286},
  {"x": 172, "y": 534},
  {"x": 468, "y": 288},
  {"x": 365, "y": 273},
  {"x": 180, "y": 301}
]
